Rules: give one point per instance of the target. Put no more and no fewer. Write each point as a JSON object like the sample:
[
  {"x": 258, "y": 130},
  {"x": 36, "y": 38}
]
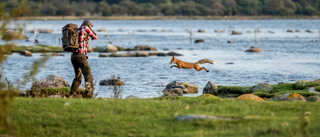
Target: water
[{"x": 285, "y": 57}]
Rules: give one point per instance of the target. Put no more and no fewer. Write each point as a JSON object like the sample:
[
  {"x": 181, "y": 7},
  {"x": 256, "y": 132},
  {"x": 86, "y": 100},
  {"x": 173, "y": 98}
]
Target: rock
[
  {"x": 142, "y": 54},
  {"x": 264, "y": 87},
  {"x": 45, "y": 30},
  {"x": 208, "y": 96},
  {"x": 172, "y": 53},
  {"x": 13, "y": 35},
  {"x": 153, "y": 53},
  {"x": 230, "y": 41},
  {"x": 121, "y": 55},
  {"x": 109, "y": 48},
  {"x": 184, "y": 86},
  {"x": 249, "y": 97},
  {"x": 51, "y": 81},
  {"x": 271, "y": 31},
  {"x": 111, "y": 82},
  {"x": 210, "y": 88},
  {"x": 201, "y": 31},
  {"x": 55, "y": 96},
  {"x": 303, "y": 81},
  {"x": 218, "y": 31},
  {"x": 236, "y": 33},
  {"x": 297, "y": 31},
  {"x": 120, "y": 48},
  {"x": 199, "y": 40},
  {"x": 205, "y": 117},
  {"x": 313, "y": 90},
  {"x": 153, "y": 30},
  {"x": 289, "y": 97},
  {"x": 253, "y": 49},
  {"x": 313, "y": 99},
  {"x": 56, "y": 54},
  {"x": 229, "y": 63},
  {"x": 173, "y": 92},
  {"x": 162, "y": 54},
  {"x": 89, "y": 49},
  {"x": 26, "y": 53},
  {"x": 102, "y": 30},
  {"x": 144, "y": 48},
  {"x": 132, "y": 97},
  {"x": 103, "y": 55},
  {"x": 309, "y": 31},
  {"x": 290, "y": 30}
]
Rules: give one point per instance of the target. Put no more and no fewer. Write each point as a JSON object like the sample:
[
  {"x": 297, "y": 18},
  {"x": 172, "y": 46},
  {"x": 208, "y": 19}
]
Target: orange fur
[{"x": 186, "y": 65}]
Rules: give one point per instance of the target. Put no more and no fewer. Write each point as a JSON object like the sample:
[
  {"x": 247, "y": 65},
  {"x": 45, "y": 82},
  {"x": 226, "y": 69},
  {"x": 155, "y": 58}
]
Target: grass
[{"x": 157, "y": 117}]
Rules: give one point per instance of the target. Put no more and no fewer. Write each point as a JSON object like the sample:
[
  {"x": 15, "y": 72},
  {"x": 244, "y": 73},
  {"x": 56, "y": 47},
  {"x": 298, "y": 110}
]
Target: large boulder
[
  {"x": 313, "y": 99},
  {"x": 51, "y": 81},
  {"x": 13, "y": 35},
  {"x": 109, "y": 48},
  {"x": 249, "y": 97},
  {"x": 111, "y": 82},
  {"x": 254, "y": 49},
  {"x": 210, "y": 88},
  {"x": 145, "y": 48},
  {"x": 184, "y": 86},
  {"x": 25, "y": 53},
  {"x": 263, "y": 86},
  {"x": 289, "y": 97}
]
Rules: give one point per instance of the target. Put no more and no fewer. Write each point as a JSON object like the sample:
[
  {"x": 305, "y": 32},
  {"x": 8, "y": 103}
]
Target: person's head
[{"x": 87, "y": 23}]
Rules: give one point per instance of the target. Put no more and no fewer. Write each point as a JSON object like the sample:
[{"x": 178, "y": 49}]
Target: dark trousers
[{"x": 81, "y": 67}]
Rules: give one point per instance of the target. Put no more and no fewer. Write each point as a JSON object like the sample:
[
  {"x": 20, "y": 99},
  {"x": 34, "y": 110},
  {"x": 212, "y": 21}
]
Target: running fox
[{"x": 186, "y": 65}]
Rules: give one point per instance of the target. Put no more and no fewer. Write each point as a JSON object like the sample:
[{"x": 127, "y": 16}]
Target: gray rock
[
  {"x": 51, "y": 81},
  {"x": 184, "y": 86},
  {"x": 162, "y": 54},
  {"x": 109, "y": 48},
  {"x": 210, "y": 88},
  {"x": 132, "y": 97},
  {"x": 313, "y": 99},
  {"x": 172, "y": 53},
  {"x": 236, "y": 33},
  {"x": 203, "y": 117},
  {"x": 313, "y": 90},
  {"x": 289, "y": 97},
  {"x": 173, "y": 92},
  {"x": 303, "y": 81},
  {"x": 103, "y": 55},
  {"x": 263, "y": 86}
]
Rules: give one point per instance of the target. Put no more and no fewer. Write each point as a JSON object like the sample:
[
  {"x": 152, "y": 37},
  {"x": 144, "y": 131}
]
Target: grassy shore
[
  {"x": 158, "y": 117},
  {"x": 165, "y": 17}
]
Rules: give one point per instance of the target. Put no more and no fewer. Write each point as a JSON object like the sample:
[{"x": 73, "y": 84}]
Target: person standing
[{"x": 80, "y": 62}]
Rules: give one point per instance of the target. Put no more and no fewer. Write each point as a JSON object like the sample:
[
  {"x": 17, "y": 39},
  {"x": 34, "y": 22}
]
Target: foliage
[
  {"x": 226, "y": 90},
  {"x": 158, "y": 117},
  {"x": 161, "y": 7}
]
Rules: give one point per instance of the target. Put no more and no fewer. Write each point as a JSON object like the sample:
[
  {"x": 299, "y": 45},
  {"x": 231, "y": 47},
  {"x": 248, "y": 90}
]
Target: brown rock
[
  {"x": 253, "y": 49},
  {"x": 51, "y": 81}
]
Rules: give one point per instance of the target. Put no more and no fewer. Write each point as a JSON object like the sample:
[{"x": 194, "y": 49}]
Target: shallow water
[{"x": 285, "y": 57}]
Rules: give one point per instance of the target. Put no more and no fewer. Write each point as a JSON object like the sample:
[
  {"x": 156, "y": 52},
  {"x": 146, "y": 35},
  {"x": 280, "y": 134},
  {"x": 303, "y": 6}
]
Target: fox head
[{"x": 173, "y": 60}]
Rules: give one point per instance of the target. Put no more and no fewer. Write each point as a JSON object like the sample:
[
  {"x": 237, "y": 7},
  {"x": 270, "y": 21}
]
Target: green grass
[{"x": 157, "y": 117}]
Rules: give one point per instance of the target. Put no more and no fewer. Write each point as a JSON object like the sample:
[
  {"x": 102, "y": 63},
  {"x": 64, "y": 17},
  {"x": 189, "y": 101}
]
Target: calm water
[{"x": 285, "y": 57}]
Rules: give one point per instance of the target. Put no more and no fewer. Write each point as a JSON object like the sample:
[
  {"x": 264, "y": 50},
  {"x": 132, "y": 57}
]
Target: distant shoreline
[{"x": 165, "y": 17}]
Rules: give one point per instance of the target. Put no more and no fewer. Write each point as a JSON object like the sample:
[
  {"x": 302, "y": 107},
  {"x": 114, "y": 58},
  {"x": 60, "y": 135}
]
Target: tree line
[{"x": 161, "y": 7}]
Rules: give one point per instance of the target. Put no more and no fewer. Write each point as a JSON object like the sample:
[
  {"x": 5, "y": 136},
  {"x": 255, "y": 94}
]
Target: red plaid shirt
[{"x": 84, "y": 31}]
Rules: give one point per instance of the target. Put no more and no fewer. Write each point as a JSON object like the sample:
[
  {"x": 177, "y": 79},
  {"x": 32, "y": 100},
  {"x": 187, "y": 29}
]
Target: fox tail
[{"x": 205, "y": 61}]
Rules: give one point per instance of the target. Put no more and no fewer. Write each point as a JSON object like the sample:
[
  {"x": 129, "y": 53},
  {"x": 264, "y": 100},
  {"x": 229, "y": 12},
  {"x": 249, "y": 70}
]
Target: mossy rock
[
  {"x": 226, "y": 90},
  {"x": 249, "y": 97},
  {"x": 208, "y": 96},
  {"x": 289, "y": 97},
  {"x": 45, "y": 92}
]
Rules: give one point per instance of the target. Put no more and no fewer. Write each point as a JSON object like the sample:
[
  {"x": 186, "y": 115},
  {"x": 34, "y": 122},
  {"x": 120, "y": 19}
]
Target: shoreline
[{"x": 165, "y": 17}]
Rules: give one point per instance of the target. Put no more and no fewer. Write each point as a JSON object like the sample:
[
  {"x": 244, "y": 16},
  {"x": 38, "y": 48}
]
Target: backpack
[{"x": 70, "y": 37}]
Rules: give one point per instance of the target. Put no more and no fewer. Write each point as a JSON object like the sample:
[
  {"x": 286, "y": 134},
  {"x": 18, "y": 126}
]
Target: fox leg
[
  {"x": 175, "y": 66},
  {"x": 198, "y": 68}
]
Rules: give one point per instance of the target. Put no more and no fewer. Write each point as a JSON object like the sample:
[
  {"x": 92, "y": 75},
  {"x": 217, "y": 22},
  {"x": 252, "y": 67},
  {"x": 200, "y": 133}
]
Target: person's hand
[{"x": 96, "y": 38}]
